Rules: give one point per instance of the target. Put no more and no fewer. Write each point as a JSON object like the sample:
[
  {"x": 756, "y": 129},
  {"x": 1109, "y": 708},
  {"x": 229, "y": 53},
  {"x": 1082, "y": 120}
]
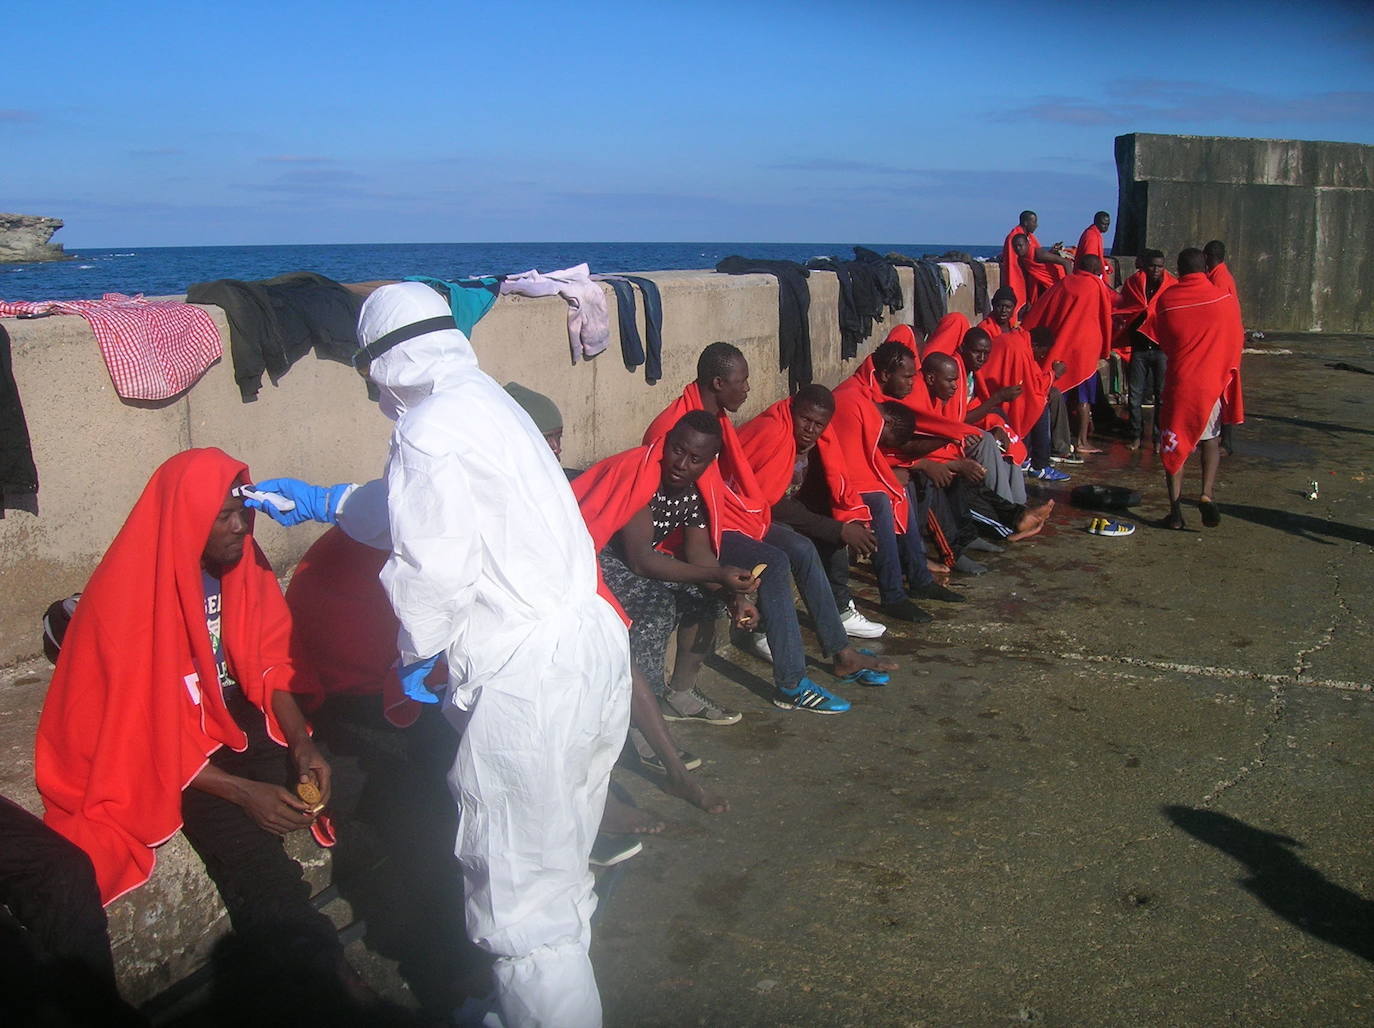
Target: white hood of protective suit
[{"x": 489, "y": 550}]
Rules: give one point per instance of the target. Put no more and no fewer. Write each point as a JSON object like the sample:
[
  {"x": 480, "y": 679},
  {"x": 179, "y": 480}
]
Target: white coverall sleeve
[{"x": 436, "y": 550}]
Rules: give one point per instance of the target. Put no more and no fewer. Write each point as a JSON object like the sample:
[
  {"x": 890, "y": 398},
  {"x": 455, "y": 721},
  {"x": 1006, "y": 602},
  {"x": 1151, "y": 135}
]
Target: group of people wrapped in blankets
[{"x": 534, "y": 607}]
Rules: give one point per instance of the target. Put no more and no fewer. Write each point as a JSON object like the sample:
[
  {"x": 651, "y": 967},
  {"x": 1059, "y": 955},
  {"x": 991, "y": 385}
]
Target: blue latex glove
[
  {"x": 413, "y": 680},
  {"x": 311, "y": 502}
]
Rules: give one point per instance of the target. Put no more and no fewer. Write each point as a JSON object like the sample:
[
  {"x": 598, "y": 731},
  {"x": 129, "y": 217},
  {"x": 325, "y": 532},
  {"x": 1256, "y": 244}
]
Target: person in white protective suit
[{"x": 492, "y": 567}]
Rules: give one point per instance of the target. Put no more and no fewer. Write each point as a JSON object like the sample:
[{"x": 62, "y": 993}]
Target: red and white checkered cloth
[{"x": 153, "y": 348}]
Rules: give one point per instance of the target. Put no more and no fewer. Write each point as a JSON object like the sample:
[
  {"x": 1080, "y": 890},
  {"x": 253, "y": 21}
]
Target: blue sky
[{"x": 753, "y": 120}]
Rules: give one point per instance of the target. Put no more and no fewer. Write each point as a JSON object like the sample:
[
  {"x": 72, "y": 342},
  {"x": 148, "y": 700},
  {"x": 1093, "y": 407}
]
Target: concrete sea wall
[
  {"x": 1296, "y": 217},
  {"x": 95, "y": 452}
]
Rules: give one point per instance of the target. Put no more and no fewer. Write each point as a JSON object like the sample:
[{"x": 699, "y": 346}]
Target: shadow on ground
[{"x": 1280, "y": 880}]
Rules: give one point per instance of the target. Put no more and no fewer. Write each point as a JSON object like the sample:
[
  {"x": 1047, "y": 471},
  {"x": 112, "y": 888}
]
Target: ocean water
[{"x": 168, "y": 270}]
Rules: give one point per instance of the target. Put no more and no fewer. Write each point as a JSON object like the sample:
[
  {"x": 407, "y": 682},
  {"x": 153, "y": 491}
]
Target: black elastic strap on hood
[{"x": 397, "y": 336}]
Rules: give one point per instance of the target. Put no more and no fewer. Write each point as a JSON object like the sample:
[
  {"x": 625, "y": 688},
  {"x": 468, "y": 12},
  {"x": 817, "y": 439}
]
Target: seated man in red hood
[
  {"x": 780, "y": 445},
  {"x": 173, "y": 706},
  {"x": 747, "y": 538},
  {"x": 1002, "y": 317},
  {"x": 942, "y": 376}
]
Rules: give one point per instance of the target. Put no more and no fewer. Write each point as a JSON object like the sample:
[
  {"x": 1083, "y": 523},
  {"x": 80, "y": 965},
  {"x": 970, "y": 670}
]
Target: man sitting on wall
[
  {"x": 860, "y": 472},
  {"x": 654, "y": 513},
  {"x": 747, "y": 540},
  {"x": 942, "y": 380},
  {"x": 1041, "y": 266},
  {"x": 1002, "y": 317},
  {"x": 779, "y": 445},
  {"x": 174, "y": 705}
]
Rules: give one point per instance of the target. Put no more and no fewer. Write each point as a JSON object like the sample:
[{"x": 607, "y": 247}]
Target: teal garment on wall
[{"x": 468, "y": 298}]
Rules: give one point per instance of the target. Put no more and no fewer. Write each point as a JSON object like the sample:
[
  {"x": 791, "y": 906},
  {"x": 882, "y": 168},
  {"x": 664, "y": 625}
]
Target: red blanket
[
  {"x": 849, "y": 449},
  {"x": 1091, "y": 241},
  {"x": 990, "y": 326},
  {"x": 135, "y": 709},
  {"x": 614, "y": 490},
  {"x": 944, "y": 420},
  {"x": 1132, "y": 302},
  {"x": 1079, "y": 310},
  {"x": 1221, "y": 277},
  {"x": 742, "y": 509},
  {"x": 948, "y": 334},
  {"x": 1202, "y": 338},
  {"x": 771, "y": 449},
  {"x": 1012, "y": 362},
  {"x": 344, "y": 630},
  {"x": 1012, "y": 275}
]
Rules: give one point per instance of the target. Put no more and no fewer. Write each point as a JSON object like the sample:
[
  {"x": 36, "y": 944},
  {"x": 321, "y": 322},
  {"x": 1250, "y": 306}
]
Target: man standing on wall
[{"x": 1093, "y": 240}]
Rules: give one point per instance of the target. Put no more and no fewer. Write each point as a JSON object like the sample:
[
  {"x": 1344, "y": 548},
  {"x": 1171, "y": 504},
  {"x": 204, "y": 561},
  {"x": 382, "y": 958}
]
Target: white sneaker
[
  {"x": 858, "y": 626},
  {"x": 756, "y": 643}
]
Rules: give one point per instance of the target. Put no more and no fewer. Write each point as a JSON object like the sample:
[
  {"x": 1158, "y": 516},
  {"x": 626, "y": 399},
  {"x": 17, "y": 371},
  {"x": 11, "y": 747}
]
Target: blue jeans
[
  {"x": 809, "y": 573},
  {"x": 897, "y": 553},
  {"x": 776, "y": 607}
]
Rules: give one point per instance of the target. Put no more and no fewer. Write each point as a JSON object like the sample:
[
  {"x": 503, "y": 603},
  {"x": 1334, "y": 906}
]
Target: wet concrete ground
[{"x": 1128, "y": 782}]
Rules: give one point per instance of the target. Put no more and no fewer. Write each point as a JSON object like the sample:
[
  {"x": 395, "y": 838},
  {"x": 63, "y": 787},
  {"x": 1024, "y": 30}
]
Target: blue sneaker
[
  {"x": 1049, "y": 473},
  {"x": 807, "y": 695}
]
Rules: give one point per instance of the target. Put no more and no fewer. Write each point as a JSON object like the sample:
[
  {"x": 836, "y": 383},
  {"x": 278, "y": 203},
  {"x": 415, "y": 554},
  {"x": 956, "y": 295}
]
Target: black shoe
[
  {"x": 905, "y": 610},
  {"x": 1211, "y": 516},
  {"x": 690, "y": 761},
  {"x": 610, "y": 849},
  {"x": 936, "y": 591}
]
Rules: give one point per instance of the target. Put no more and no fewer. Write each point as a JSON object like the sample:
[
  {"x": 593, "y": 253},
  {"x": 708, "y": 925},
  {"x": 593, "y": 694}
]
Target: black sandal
[
  {"x": 1211, "y": 516},
  {"x": 1173, "y": 520}
]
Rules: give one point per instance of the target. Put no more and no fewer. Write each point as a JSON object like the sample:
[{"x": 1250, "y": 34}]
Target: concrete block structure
[{"x": 1297, "y": 218}]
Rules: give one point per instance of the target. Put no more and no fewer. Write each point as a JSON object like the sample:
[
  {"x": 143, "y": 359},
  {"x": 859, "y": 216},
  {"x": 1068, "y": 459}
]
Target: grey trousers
[{"x": 1004, "y": 478}]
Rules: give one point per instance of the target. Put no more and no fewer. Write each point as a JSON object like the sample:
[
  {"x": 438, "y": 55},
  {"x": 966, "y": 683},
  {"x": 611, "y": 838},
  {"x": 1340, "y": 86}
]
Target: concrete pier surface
[{"x": 1128, "y": 782}]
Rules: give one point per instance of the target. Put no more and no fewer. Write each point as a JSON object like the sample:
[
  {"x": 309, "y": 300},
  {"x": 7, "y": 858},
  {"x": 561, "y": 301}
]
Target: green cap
[{"x": 542, "y": 411}]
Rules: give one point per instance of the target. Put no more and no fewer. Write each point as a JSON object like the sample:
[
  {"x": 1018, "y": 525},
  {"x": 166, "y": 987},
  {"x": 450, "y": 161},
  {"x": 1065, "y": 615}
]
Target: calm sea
[{"x": 168, "y": 270}]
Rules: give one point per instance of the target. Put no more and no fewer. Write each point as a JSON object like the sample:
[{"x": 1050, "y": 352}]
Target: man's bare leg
[
  {"x": 1085, "y": 427},
  {"x": 648, "y": 718},
  {"x": 1174, "y": 484},
  {"x": 1211, "y": 462},
  {"x": 695, "y": 639}
]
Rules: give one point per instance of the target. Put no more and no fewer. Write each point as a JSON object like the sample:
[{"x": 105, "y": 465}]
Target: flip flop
[
  {"x": 1110, "y": 527},
  {"x": 1211, "y": 516},
  {"x": 868, "y": 675}
]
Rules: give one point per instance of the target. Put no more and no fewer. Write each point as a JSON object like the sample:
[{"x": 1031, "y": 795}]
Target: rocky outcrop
[{"x": 24, "y": 237}]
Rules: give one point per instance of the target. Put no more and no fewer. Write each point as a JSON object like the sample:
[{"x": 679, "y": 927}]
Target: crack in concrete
[{"x": 1207, "y": 671}]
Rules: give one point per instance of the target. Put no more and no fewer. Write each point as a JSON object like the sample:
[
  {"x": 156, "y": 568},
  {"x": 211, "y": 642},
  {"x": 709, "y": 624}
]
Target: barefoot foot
[{"x": 622, "y": 819}]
